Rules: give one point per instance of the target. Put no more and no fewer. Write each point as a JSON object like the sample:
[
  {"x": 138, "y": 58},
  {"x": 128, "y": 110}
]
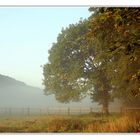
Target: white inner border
[
  {"x": 82, "y": 136},
  {"x": 72, "y": 2}
]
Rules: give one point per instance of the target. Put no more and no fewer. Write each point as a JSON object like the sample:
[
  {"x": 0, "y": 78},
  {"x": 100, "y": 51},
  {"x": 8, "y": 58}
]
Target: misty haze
[{"x": 17, "y": 94}]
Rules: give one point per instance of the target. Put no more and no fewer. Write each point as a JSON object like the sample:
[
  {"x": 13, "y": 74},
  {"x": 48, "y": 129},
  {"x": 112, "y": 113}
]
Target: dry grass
[
  {"x": 62, "y": 124},
  {"x": 123, "y": 124}
]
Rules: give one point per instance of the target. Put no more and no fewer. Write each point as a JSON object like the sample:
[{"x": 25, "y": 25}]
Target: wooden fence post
[
  {"x": 23, "y": 111},
  {"x": 121, "y": 110},
  {"x": 5, "y": 111},
  {"x": 68, "y": 111},
  {"x": 59, "y": 111},
  {"x": 48, "y": 111},
  {"x": 10, "y": 111},
  {"x": 80, "y": 111},
  {"x": 91, "y": 109},
  {"x": 40, "y": 112},
  {"x": 28, "y": 111}
]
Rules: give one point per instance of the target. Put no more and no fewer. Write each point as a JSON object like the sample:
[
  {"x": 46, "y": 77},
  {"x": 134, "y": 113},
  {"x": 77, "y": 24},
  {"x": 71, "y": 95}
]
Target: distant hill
[
  {"x": 8, "y": 81},
  {"x": 14, "y": 93}
]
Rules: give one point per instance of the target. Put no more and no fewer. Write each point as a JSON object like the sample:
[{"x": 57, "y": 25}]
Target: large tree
[
  {"x": 116, "y": 33},
  {"x": 72, "y": 72}
]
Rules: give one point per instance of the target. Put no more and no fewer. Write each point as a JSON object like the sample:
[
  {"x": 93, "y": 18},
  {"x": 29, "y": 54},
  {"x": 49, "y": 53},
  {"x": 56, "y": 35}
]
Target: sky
[{"x": 26, "y": 35}]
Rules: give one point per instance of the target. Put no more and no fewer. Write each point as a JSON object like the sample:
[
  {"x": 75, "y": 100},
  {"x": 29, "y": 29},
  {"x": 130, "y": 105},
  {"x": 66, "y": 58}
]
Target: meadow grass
[{"x": 89, "y": 123}]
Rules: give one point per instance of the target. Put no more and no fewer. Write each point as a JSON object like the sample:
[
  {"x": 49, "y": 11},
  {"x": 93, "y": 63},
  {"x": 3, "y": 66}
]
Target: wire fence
[
  {"x": 54, "y": 111},
  {"x": 131, "y": 111}
]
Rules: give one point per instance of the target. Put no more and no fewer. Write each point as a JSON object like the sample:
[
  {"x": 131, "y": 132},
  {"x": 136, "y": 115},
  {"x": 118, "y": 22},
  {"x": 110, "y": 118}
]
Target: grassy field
[{"x": 90, "y": 123}]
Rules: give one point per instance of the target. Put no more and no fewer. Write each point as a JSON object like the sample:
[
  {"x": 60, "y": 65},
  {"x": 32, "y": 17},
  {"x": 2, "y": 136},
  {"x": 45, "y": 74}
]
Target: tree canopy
[
  {"x": 65, "y": 71},
  {"x": 118, "y": 30}
]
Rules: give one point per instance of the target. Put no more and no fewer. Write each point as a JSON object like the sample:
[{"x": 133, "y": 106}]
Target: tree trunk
[{"x": 105, "y": 109}]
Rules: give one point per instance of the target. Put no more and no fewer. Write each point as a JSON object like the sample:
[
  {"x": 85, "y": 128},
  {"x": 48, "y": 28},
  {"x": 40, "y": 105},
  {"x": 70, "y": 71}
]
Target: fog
[
  {"x": 26, "y": 96},
  {"x": 16, "y": 94}
]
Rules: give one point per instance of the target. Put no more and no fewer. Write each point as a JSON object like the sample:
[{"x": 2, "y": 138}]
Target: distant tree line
[{"x": 99, "y": 57}]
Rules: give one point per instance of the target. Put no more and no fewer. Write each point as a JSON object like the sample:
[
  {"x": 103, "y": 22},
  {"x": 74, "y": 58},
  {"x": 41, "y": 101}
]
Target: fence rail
[
  {"x": 52, "y": 110},
  {"x": 132, "y": 111}
]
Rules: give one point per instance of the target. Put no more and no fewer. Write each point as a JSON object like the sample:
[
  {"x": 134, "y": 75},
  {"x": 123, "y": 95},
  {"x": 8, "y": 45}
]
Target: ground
[{"x": 88, "y": 123}]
